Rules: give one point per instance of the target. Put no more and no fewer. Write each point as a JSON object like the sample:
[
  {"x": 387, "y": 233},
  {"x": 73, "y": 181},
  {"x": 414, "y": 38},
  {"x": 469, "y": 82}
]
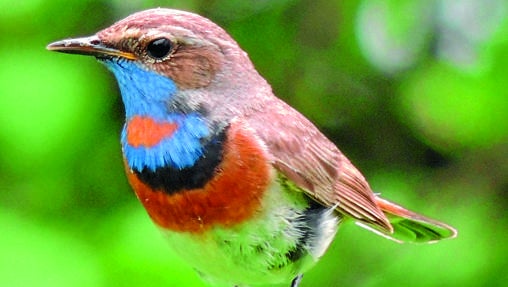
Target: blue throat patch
[{"x": 146, "y": 93}]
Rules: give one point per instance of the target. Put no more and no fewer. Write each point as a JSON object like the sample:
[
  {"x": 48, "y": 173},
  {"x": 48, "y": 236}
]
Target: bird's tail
[{"x": 409, "y": 226}]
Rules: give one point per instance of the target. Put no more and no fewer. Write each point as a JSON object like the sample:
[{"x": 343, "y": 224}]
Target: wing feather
[{"x": 305, "y": 156}]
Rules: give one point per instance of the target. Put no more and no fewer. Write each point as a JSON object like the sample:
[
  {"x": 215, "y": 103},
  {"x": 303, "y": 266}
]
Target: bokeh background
[{"x": 413, "y": 91}]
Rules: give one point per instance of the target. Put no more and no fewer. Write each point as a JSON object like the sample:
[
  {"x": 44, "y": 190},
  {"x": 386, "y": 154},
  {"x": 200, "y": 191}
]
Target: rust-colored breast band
[{"x": 232, "y": 196}]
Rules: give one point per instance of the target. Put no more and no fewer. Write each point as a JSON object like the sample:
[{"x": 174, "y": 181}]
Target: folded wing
[{"x": 305, "y": 156}]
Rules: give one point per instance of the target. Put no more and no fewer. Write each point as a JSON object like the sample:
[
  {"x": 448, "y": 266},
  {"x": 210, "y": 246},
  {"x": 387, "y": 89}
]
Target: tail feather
[{"x": 409, "y": 226}]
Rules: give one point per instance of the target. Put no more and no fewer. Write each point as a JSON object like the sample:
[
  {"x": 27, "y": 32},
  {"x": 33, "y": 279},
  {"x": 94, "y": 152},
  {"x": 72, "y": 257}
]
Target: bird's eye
[{"x": 159, "y": 48}]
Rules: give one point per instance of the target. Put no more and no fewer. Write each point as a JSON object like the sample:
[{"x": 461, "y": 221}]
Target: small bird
[{"x": 244, "y": 187}]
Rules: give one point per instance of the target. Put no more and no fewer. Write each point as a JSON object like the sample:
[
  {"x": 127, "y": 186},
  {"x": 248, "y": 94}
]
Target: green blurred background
[{"x": 414, "y": 92}]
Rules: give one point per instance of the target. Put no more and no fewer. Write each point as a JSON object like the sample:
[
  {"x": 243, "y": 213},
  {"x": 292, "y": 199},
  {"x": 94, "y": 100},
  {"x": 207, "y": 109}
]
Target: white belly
[{"x": 283, "y": 240}]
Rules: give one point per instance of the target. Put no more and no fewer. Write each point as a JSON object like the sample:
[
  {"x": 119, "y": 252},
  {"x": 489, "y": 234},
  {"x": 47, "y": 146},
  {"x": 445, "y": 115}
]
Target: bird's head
[{"x": 170, "y": 59}]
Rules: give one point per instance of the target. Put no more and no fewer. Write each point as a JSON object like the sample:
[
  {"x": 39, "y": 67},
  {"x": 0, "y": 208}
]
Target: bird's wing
[{"x": 304, "y": 155}]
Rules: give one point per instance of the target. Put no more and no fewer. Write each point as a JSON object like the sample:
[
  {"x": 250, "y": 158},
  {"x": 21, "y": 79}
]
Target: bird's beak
[{"x": 91, "y": 46}]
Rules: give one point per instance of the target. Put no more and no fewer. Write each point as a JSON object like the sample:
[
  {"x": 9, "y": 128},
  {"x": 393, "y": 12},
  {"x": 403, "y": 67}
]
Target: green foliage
[{"x": 413, "y": 91}]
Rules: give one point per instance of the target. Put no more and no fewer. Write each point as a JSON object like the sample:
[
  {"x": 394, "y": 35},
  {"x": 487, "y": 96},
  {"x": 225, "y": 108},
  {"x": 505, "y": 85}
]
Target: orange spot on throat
[{"x": 145, "y": 131}]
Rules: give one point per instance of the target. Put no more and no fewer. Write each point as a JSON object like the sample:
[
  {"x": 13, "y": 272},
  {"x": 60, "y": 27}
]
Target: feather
[
  {"x": 412, "y": 227},
  {"x": 305, "y": 156}
]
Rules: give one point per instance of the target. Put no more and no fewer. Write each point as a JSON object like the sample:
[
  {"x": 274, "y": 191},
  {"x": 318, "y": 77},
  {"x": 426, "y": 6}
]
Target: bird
[{"x": 245, "y": 189}]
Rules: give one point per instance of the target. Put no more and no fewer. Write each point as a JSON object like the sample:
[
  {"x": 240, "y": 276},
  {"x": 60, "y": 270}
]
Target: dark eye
[{"x": 159, "y": 48}]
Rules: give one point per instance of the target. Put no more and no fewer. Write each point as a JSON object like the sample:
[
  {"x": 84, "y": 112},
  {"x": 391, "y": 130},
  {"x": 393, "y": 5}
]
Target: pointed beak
[{"x": 91, "y": 46}]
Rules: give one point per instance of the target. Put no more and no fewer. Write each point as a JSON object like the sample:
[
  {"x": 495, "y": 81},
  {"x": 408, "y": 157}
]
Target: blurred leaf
[
  {"x": 44, "y": 103},
  {"x": 39, "y": 255},
  {"x": 465, "y": 28},
  {"x": 393, "y": 33},
  {"x": 450, "y": 110},
  {"x": 14, "y": 10}
]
